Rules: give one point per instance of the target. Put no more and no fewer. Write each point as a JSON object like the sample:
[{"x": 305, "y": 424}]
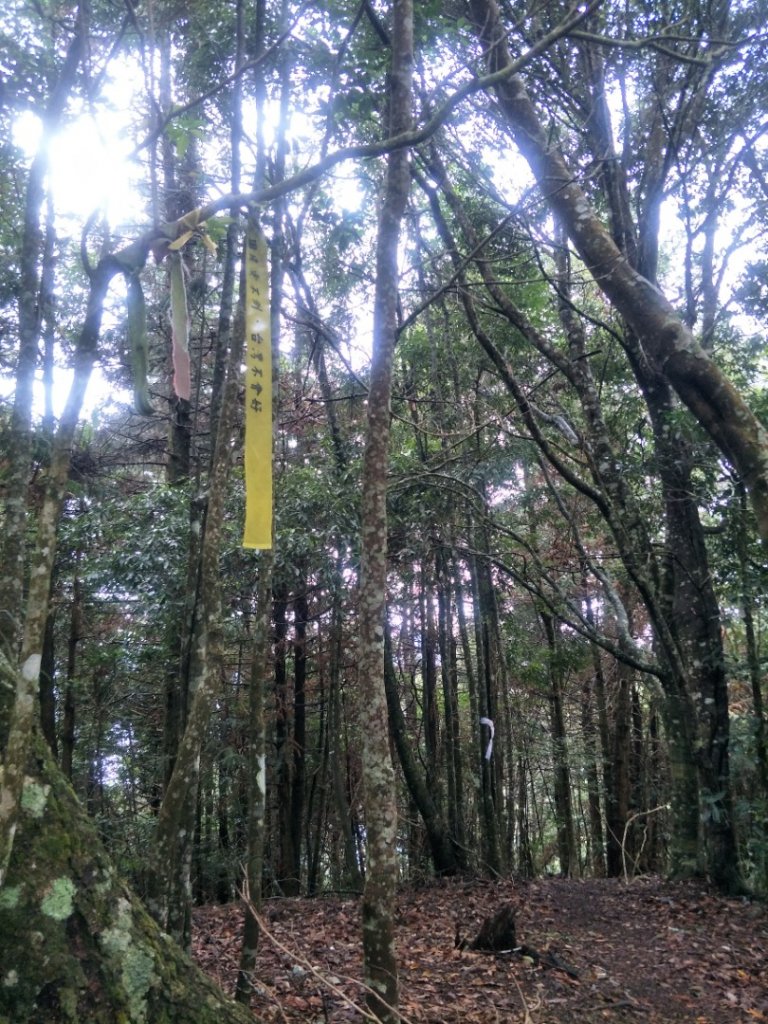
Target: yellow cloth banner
[{"x": 258, "y": 395}]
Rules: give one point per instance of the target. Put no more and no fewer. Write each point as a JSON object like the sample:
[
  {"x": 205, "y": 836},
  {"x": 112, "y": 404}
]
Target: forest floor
[{"x": 649, "y": 951}]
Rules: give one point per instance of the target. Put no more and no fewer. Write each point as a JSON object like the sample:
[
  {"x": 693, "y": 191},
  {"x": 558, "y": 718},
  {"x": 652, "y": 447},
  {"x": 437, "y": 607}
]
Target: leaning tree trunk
[
  {"x": 182, "y": 785},
  {"x": 24, "y": 708},
  {"x": 378, "y": 772},
  {"x": 695, "y": 377},
  {"x": 75, "y": 944},
  {"x": 19, "y": 437}
]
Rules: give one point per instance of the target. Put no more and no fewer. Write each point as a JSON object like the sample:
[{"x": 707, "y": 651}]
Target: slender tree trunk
[
  {"x": 23, "y": 711},
  {"x": 352, "y": 875},
  {"x": 284, "y": 876},
  {"x": 566, "y": 831},
  {"x": 19, "y": 437},
  {"x": 589, "y": 737},
  {"x": 316, "y": 824},
  {"x": 450, "y": 681},
  {"x": 443, "y": 856},
  {"x": 486, "y": 694},
  {"x": 298, "y": 770},
  {"x": 601, "y": 741},
  {"x": 655, "y": 852},
  {"x": 617, "y": 803},
  {"x": 429, "y": 684},
  {"x": 525, "y": 863},
  {"x": 179, "y": 793},
  {"x": 256, "y": 782},
  {"x": 47, "y": 686},
  {"x": 378, "y": 774}
]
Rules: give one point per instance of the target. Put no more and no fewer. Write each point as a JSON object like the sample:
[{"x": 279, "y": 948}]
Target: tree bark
[
  {"x": 75, "y": 944},
  {"x": 23, "y": 710},
  {"x": 449, "y": 674},
  {"x": 444, "y": 858},
  {"x": 256, "y": 783},
  {"x": 566, "y": 832},
  {"x": 378, "y": 773},
  {"x": 298, "y": 768},
  {"x": 19, "y": 438},
  {"x": 184, "y": 777},
  {"x": 339, "y": 756}
]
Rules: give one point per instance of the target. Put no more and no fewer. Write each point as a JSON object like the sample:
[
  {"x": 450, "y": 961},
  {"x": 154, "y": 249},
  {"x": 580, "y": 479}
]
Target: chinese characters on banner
[{"x": 258, "y": 395}]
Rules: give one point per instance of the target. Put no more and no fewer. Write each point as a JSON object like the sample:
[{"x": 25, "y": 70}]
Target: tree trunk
[
  {"x": 589, "y": 738},
  {"x": 179, "y": 797},
  {"x": 378, "y": 774},
  {"x": 443, "y": 856},
  {"x": 285, "y": 858},
  {"x": 450, "y": 680},
  {"x": 566, "y": 832},
  {"x": 24, "y": 708},
  {"x": 754, "y": 668},
  {"x": 430, "y": 717},
  {"x": 352, "y": 875},
  {"x": 298, "y": 768},
  {"x": 18, "y": 440},
  {"x": 524, "y": 852},
  {"x": 256, "y": 782},
  {"x": 98, "y": 956},
  {"x": 483, "y": 616},
  {"x": 693, "y": 615},
  {"x": 697, "y": 380},
  {"x": 617, "y": 800}
]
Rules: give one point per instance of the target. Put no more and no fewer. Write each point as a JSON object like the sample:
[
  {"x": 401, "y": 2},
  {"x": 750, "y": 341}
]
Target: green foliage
[
  {"x": 184, "y": 129},
  {"x": 476, "y": 493}
]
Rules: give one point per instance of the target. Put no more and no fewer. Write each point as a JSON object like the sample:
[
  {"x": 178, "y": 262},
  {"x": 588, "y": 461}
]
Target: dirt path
[{"x": 650, "y": 952}]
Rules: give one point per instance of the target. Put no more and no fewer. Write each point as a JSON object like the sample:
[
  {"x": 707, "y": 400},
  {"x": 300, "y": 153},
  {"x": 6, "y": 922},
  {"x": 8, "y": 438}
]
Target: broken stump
[{"x": 497, "y": 933}]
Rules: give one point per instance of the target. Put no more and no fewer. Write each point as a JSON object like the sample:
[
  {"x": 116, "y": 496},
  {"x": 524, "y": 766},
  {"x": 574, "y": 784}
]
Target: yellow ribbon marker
[{"x": 258, "y": 395}]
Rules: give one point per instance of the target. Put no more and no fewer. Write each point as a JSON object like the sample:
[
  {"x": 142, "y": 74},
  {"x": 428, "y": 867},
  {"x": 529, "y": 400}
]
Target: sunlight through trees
[{"x": 517, "y": 290}]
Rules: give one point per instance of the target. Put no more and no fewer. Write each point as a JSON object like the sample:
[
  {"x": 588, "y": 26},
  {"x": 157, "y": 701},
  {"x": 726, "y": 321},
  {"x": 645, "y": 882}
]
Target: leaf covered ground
[{"x": 649, "y": 951}]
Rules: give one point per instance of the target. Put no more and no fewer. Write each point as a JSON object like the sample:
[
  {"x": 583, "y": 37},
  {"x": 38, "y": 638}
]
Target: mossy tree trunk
[
  {"x": 256, "y": 782},
  {"x": 75, "y": 944}
]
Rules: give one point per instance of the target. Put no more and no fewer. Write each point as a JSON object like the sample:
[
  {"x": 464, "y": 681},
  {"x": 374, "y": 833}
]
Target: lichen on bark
[{"x": 75, "y": 944}]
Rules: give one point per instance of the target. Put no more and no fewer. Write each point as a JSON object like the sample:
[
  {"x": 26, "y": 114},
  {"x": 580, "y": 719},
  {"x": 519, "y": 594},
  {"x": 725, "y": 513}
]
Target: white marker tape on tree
[{"x": 489, "y": 748}]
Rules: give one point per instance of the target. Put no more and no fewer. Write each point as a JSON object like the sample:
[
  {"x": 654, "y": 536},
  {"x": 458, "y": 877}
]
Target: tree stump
[
  {"x": 498, "y": 935},
  {"x": 497, "y": 932}
]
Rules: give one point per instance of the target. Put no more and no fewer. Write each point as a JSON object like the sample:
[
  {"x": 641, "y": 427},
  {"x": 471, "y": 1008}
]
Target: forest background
[{"x": 512, "y": 620}]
